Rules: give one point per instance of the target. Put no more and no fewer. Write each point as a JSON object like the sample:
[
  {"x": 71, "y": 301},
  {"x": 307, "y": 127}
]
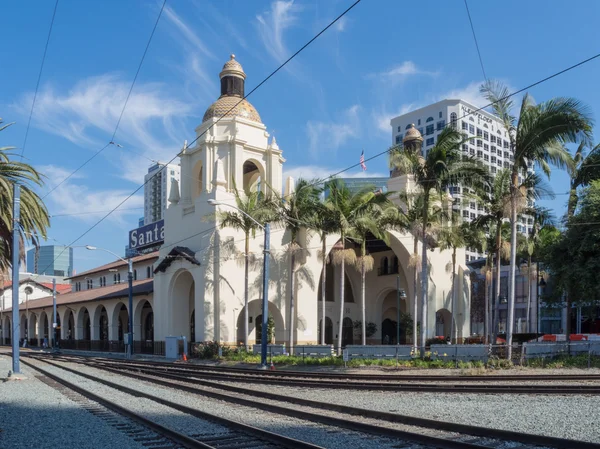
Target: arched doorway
[
  {"x": 252, "y": 177},
  {"x": 44, "y": 328},
  {"x": 70, "y": 324},
  {"x": 347, "y": 332},
  {"x": 443, "y": 318},
  {"x": 328, "y": 331},
  {"x": 6, "y": 330},
  {"x": 103, "y": 324},
  {"x": 33, "y": 329},
  {"x": 84, "y": 324},
  {"x": 183, "y": 305},
  {"x": 23, "y": 327},
  {"x": 389, "y": 318},
  {"x": 255, "y": 322},
  {"x": 193, "y": 326},
  {"x": 121, "y": 315}
]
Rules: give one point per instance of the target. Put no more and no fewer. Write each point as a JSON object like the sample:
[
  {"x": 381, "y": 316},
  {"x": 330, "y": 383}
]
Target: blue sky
[{"x": 336, "y": 98}]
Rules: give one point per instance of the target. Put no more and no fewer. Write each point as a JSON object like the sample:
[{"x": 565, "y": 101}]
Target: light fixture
[{"x": 90, "y": 247}]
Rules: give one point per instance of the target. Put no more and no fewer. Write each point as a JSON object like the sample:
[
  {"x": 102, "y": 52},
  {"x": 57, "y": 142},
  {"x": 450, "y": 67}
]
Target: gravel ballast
[
  {"x": 35, "y": 415},
  {"x": 573, "y": 416},
  {"x": 322, "y": 435}
]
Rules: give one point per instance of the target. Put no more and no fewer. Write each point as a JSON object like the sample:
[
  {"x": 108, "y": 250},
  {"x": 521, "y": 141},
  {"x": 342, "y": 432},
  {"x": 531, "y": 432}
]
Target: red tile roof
[
  {"x": 60, "y": 288},
  {"x": 143, "y": 287},
  {"x": 118, "y": 263}
]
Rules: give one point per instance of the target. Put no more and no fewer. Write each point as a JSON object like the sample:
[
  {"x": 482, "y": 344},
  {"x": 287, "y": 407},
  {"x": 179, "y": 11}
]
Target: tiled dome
[{"x": 229, "y": 107}]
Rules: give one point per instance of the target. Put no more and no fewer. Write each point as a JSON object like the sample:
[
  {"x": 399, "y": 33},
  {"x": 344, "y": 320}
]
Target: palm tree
[
  {"x": 541, "y": 217},
  {"x": 381, "y": 215},
  {"x": 583, "y": 170},
  {"x": 346, "y": 207},
  {"x": 296, "y": 211},
  {"x": 254, "y": 207},
  {"x": 34, "y": 219},
  {"x": 441, "y": 167},
  {"x": 537, "y": 136}
]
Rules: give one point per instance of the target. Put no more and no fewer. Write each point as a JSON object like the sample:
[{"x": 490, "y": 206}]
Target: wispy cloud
[
  {"x": 187, "y": 32},
  {"x": 78, "y": 201},
  {"x": 317, "y": 172},
  {"x": 382, "y": 117},
  {"x": 469, "y": 93},
  {"x": 341, "y": 24},
  {"x": 400, "y": 72},
  {"x": 329, "y": 136},
  {"x": 86, "y": 115},
  {"x": 272, "y": 25}
]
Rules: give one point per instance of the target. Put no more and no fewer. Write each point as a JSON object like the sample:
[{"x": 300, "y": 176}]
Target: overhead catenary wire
[
  {"x": 567, "y": 69},
  {"x": 37, "y": 85},
  {"x": 282, "y": 65},
  {"x": 475, "y": 39},
  {"x": 111, "y": 142}
]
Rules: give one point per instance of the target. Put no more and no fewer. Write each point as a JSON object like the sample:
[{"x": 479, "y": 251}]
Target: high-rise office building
[
  {"x": 156, "y": 190},
  {"x": 51, "y": 260},
  {"x": 490, "y": 144}
]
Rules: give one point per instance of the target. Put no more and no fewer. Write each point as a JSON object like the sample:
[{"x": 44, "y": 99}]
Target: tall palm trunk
[
  {"x": 513, "y": 261},
  {"x": 486, "y": 322},
  {"x": 323, "y": 287},
  {"x": 496, "y": 310},
  {"x": 292, "y": 287},
  {"x": 363, "y": 304},
  {"x": 341, "y": 322},
  {"x": 453, "y": 326},
  {"x": 247, "y": 250},
  {"x": 424, "y": 274},
  {"x": 416, "y": 297},
  {"x": 528, "y": 294}
]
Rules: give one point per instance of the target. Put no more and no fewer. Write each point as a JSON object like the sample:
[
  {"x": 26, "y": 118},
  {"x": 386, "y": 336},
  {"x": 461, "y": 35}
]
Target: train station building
[{"x": 194, "y": 285}]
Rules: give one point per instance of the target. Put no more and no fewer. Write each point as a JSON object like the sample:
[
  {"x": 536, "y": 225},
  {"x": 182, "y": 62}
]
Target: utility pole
[
  {"x": 54, "y": 341},
  {"x": 16, "y": 325}
]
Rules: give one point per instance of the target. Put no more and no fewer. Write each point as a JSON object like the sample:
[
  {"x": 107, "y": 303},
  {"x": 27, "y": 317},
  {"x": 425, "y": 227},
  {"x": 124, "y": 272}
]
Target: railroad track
[
  {"x": 476, "y": 436},
  {"x": 154, "y": 435},
  {"x": 367, "y": 377},
  {"x": 349, "y": 384}
]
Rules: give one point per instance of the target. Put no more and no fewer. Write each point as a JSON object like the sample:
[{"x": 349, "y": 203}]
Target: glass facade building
[{"x": 53, "y": 260}]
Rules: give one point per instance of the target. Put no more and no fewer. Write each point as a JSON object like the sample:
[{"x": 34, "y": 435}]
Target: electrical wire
[
  {"x": 37, "y": 85},
  {"x": 475, "y": 39},
  {"x": 97, "y": 153},
  {"x": 205, "y": 131}
]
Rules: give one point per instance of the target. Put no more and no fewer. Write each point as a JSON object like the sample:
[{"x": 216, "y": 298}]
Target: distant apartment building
[
  {"x": 355, "y": 184},
  {"x": 490, "y": 144},
  {"x": 51, "y": 260},
  {"x": 156, "y": 190}
]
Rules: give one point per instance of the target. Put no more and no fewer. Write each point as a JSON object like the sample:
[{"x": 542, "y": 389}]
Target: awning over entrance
[{"x": 176, "y": 253}]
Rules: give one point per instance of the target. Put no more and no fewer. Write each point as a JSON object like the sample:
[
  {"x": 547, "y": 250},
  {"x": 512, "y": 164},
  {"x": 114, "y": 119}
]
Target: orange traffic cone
[
  {"x": 184, "y": 357},
  {"x": 272, "y": 366}
]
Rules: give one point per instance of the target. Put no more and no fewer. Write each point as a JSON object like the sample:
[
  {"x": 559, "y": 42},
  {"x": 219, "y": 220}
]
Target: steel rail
[
  {"x": 172, "y": 435},
  {"x": 300, "y": 414},
  {"x": 356, "y": 376},
  {"x": 527, "y": 438},
  {"x": 389, "y": 386},
  {"x": 259, "y": 433}
]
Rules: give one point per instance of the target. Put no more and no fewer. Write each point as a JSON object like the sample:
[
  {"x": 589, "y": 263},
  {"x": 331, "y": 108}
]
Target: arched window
[
  {"x": 384, "y": 265},
  {"x": 471, "y": 118},
  {"x": 430, "y": 119},
  {"x": 395, "y": 264},
  {"x": 114, "y": 278},
  {"x": 453, "y": 120},
  {"x": 135, "y": 275},
  {"x": 148, "y": 272},
  {"x": 408, "y": 126},
  {"x": 499, "y": 132},
  {"x": 485, "y": 125},
  {"x": 119, "y": 278}
]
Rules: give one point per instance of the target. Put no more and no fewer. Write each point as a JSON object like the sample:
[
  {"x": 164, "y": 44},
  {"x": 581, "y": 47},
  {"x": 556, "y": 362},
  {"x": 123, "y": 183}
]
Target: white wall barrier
[
  {"x": 545, "y": 350},
  {"x": 460, "y": 353},
  {"x": 379, "y": 352}
]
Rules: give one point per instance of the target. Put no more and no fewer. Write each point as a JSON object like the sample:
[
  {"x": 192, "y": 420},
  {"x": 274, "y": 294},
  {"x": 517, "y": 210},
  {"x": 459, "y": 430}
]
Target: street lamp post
[
  {"x": 129, "y": 262},
  {"x": 265, "y": 302}
]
